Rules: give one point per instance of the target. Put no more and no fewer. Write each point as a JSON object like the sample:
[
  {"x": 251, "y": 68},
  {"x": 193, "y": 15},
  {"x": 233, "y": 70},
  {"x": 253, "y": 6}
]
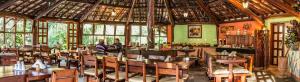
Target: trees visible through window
[
  {"x": 15, "y": 32},
  {"x": 93, "y": 32}
]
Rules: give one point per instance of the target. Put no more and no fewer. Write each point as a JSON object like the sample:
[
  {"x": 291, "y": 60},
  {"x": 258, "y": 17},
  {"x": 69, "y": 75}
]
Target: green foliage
[
  {"x": 57, "y": 33},
  {"x": 290, "y": 39}
]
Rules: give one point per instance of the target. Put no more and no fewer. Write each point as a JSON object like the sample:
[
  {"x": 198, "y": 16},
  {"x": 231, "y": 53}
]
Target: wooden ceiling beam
[
  {"x": 285, "y": 7},
  {"x": 247, "y": 11},
  {"x": 46, "y": 11},
  {"x": 170, "y": 14},
  {"x": 7, "y": 4},
  {"x": 207, "y": 10},
  {"x": 93, "y": 7},
  {"x": 130, "y": 12}
]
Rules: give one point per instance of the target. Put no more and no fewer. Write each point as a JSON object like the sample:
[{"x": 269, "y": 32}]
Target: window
[
  {"x": 139, "y": 34},
  {"x": 93, "y": 32},
  {"x": 160, "y": 35},
  {"x": 15, "y": 32},
  {"x": 57, "y": 33}
]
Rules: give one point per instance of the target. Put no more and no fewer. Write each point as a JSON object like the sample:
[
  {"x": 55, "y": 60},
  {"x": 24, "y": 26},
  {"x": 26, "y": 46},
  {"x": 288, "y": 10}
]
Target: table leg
[{"x": 230, "y": 78}]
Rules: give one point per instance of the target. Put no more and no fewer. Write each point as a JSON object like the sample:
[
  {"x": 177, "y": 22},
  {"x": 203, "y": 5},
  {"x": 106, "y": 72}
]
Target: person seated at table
[
  {"x": 101, "y": 46},
  {"x": 118, "y": 45}
]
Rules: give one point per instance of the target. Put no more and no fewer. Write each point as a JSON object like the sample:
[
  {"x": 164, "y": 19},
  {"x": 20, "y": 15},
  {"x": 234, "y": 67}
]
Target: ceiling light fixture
[
  {"x": 185, "y": 14},
  {"x": 245, "y": 3},
  {"x": 113, "y": 13}
]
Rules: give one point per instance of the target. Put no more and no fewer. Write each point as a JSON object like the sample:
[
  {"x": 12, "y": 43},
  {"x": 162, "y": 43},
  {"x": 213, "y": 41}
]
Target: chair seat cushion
[
  {"x": 139, "y": 78},
  {"x": 224, "y": 70},
  {"x": 122, "y": 75},
  {"x": 173, "y": 79},
  {"x": 92, "y": 71}
]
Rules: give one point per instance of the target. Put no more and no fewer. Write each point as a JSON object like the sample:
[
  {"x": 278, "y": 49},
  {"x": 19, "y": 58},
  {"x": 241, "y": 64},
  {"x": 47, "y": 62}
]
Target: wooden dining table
[
  {"x": 230, "y": 61},
  {"x": 7, "y": 74}
]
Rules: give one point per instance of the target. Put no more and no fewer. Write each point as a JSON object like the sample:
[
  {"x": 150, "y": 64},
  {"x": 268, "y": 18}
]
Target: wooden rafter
[
  {"x": 284, "y": 7},
  {"x": 246, "y": 11},
  {"x": 68, "y": 10},
  {"x": 7, "y": 4},
  {"x": 130, "y": 12},
  {"x": 207, "y": 10},
  {"x": 103, "y": 12},
  {"x": 46, "y": 11},
  {"x": 85, "y": 15},
  {"x": 62, "y": 8},
  {"x": 170, "y": 15},
  {"x": 78, "y": 9}
]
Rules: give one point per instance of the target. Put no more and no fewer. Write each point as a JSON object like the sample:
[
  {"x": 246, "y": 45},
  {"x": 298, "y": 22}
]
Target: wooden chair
[
  {"x": 137, "y": 67},
  {"x": 90, "y": 68},
  {"x": 171, "y": 69},
  {"x": 112, "y": 63},
  {"x": 69, "y": 60},
  {"x": 64, "y": 76},
  {"x": 218, "y": 71}
]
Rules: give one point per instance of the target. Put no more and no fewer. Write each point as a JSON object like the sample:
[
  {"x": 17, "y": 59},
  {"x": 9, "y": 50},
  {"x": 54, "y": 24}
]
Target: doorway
[{"x": 277, "y": 41}]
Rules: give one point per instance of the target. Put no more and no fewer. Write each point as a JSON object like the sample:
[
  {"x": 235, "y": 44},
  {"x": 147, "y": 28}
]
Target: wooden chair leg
[
  {"x": 218, "y": 79},
  {"x": 243, "y": 78}
]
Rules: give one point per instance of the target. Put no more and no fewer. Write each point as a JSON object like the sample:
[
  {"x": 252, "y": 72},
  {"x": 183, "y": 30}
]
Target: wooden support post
[
  {"x": 150, "y": 24},
  {"x": 127, "y": 34}
]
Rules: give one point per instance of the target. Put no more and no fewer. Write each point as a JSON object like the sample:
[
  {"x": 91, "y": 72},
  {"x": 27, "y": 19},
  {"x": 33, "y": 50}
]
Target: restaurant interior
[{"x": 149, "y": 40}]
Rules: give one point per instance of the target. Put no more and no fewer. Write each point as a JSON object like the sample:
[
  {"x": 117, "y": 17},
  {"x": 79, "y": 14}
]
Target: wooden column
[
  {"x": 34, "y": 32},
  {"x": 150, "y": 24},
  {"x": 127, "y": 34},
  {"x": 170, "y": 35}
]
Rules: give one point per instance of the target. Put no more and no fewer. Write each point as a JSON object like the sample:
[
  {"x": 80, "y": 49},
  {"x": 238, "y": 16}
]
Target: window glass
[
  {"x": 135, "y": 30},
  {"x": 9, "y": 27},
  {"x": 144, "y": 30},
  {"x": 109, "y": 40},
  {"x": 28, "y": 26},
  {"x": 10, "y": 39},
  {"x": 99, "y": 29},
  {"x": 20, "y": 25},
  {"x": 120, "y": 30},
  {"x": 109, "y": 30},
  {"x": 87, "y": 29},
  {"x": 1, "y": 39},
  {"x": 1, "y": 24},
  {"x": 19, "y": 39},
  {"x": 28, "y": 39}
]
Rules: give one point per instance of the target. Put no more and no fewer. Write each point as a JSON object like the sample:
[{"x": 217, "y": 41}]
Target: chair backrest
[
  {"x": 132, "y": 56},
  {"x": 90, "y": 61},
  {"x": 136, "y": 67},
  {"x": 110, "y": 62},
  {"x": 64, "y": 76},
  {"x": 165, "y": 68}
]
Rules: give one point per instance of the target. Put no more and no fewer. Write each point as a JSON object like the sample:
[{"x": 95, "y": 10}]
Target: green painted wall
[
  {"x": 209, "y": 34},
  {"x": 278, "y": 19}
]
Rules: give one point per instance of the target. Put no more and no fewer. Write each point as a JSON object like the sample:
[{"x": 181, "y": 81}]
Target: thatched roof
[{"x": 166, "y": 11}]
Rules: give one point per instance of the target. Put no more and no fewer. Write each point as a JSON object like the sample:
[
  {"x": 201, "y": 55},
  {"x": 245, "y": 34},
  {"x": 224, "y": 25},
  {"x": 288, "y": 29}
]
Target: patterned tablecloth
[{"x": 294, "y": 63}]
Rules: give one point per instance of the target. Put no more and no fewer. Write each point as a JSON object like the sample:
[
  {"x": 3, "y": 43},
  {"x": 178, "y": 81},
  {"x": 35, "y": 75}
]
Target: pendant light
[
  {"x": 245, "y": 3},
  {"x": 185, "y": 14}
]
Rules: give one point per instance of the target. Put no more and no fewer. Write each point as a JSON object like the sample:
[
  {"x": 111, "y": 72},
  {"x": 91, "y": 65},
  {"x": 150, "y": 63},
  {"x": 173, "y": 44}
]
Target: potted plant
[{"x": 291, "y": 43}]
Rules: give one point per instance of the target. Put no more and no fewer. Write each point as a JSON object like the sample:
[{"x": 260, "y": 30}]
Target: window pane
[
  {"x": 87, "y": 40},
  {"x": 135, "y": 39},
  {"x": 1, "y": 24},
  {"x": 160, "y": 40},
  {"x": 1, "y": 39},
  {"x": 87, "y": 29},
  {"x": 135, "y": 30},
  {"x": 120, "y": 30},
  {"x": 144, "y": 30},
  {"x": 109, "y": 30},
  {"x": 9, "y": 27},
  {"x": 122, "y": 39},
  {"x": 97, "y": 38},
  {"x": 28, "y": 25},
  {"x": 19, "y": 40},
  {"x": 99, "y": 29},
  {"x": 10, "y": 41},
  {"x": 110, "y": 40},
  {"x": 28, "y": 39},
  {"x": 144, "y": 40},
  {"x": 20, "y": 25}
]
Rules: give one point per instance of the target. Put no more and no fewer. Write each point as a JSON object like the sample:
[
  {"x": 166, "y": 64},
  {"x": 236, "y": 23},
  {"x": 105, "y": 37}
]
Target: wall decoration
[
  {"x": 195, "y": 31},
  {"x": 224, "y": 29}
]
